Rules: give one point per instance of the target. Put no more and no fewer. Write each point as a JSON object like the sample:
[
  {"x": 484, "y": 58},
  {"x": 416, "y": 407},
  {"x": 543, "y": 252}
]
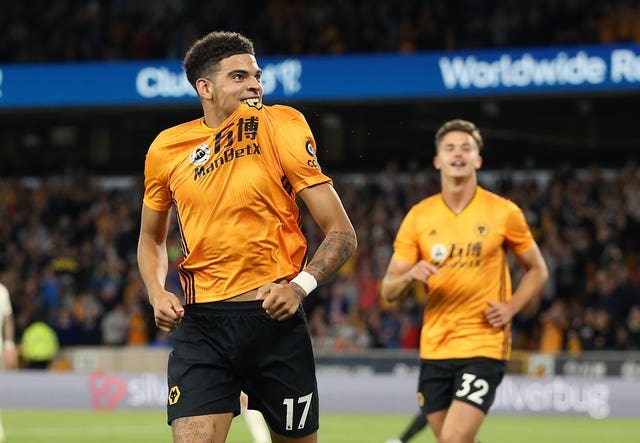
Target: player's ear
[
  {"x": 204, "y": 87},
  {"x": 478, "y": 162},
  {"x": 436, "y": 162}
]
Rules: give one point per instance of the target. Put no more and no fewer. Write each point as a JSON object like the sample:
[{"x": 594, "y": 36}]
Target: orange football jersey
[
  {"x": 234, "y": 190},
  {"x": 470, "y": 249}
]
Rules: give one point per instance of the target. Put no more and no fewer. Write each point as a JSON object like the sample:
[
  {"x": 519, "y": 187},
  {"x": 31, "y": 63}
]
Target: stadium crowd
[
  {"x": 162, "y": 29},
  {"x": 68, "y": 257}
]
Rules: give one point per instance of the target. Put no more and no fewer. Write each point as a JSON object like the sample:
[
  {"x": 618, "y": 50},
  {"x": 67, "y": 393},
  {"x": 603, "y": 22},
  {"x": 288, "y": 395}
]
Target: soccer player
[
  {"x": 456, "y": 243},
  {"x": 233, "y": 177},
  {"x": 255, "y": 422},
  {"x": 8, "y": 350},
  {"x": 418, "y": 423}
]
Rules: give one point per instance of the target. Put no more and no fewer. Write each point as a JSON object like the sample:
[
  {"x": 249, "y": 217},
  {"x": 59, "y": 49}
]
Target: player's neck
[
  {"x": 213, "y": 116},
  {"x": 212, "y": 121},
  {"x": 457, "y": 193}
]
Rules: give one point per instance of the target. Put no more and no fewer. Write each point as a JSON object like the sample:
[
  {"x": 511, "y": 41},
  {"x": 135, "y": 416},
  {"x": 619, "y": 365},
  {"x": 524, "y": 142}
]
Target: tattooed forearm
[{"x": 333, "y": 252}]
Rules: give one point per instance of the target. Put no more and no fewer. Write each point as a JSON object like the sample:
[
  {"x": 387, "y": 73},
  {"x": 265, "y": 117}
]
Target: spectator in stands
[
  {"x": 455, "y": 243},
  {"x": 245, "y": 269},
  {"x": 632, "y": 325},
  {"x": 88, "y": 312},
  {"x": 138, "y": 335},
  {"x": 115, "y": 326},
  {"x": 67, "y": 328},
  {"x": 161, "y": 339},
  {"x": 390, "y": 327},
  {"x": 409, "y": 331},
  {"x": 554, "y": 324},
  {"x": 585, "y": 328},
  {"x": 337, "y": 305},
  {"x": 8, "y": 351},
  {"x": 604, "y": 331},
  {"x": 39, "y": 345}
]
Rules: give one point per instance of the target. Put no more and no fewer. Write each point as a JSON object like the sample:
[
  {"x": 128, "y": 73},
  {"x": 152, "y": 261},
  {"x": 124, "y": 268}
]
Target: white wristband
[
  {"x": 9, "y": 344},
  {"x": 306, "y": 281}
]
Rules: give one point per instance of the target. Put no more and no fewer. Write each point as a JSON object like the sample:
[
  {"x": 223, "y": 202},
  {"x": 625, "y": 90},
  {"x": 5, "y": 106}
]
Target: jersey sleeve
[
  {"x": 156, "y": 190},
  {"x": 405, "y": 245},
  {"x": 297, "y": 152},
  {"x": 517, "y": 233}
]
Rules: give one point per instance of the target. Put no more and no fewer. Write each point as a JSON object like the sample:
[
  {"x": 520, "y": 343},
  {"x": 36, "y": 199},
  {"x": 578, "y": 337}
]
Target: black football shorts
[
  {"x": 221, "y": 348},
  {"x": 471, "y": 380}
]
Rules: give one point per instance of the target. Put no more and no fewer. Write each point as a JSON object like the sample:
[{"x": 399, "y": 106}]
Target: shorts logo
[
  {"x": 420, "y": 399},
  {"x": 310, "y": 150},
  {"x": 201, "y": 155},
  {"x": 438, "y": 252},
  {"x": 174, "y": 395}
]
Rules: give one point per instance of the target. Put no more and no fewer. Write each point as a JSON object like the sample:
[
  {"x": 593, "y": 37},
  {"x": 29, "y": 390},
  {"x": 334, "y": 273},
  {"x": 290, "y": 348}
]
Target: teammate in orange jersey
[
  {"x": 456, "y": 243},
  {"x": 233, "y": 177}
]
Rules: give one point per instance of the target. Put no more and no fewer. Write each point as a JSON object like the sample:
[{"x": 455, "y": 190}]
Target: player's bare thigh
[
  {"x": 436, "y": 421},
  {"x": 212, "y": 428},
  {"x": 458, "y": 424}
]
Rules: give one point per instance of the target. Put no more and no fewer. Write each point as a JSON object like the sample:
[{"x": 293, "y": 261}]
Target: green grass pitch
[{"x": 68, "y": 426}]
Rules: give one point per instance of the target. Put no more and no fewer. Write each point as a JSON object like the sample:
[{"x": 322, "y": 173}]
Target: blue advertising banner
[{"x": 557, "y": 70}]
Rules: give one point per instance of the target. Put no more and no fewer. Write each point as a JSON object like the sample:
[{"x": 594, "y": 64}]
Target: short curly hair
[
  {"x": 203, "y": 56},
  {"x": 459, "y": 125}
]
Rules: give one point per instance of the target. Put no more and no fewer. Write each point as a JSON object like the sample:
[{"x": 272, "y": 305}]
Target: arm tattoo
[
  {"x": 333, "y": 252},
  {"x": 193, "y": 429}
]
